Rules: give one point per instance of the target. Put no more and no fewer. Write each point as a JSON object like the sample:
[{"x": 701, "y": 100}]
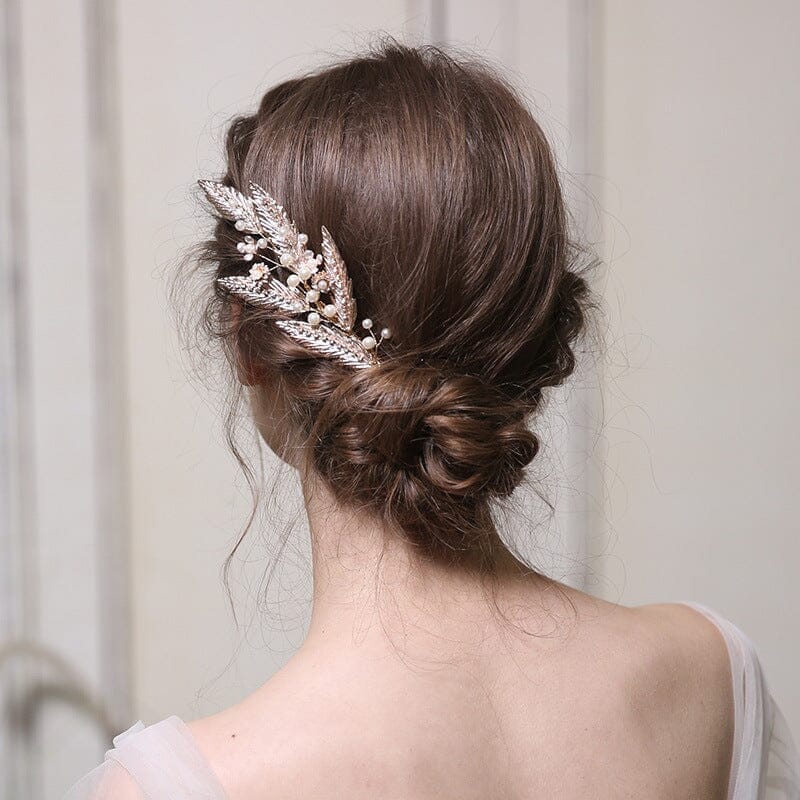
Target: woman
[{"x": 397, "y": 287}]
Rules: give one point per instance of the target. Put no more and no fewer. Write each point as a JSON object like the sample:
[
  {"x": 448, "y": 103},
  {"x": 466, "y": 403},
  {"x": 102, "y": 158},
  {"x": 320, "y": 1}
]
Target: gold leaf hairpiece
[{"x": 324, "y": 296}]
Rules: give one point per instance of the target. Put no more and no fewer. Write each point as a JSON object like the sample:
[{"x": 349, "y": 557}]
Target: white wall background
[
  {"x": 681, "y": 118},
  {"x": 699, "y": 116}
]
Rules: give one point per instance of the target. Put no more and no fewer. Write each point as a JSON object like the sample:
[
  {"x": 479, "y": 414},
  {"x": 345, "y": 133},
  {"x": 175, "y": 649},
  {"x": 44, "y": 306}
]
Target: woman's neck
[{"x": 372, "y": 589}]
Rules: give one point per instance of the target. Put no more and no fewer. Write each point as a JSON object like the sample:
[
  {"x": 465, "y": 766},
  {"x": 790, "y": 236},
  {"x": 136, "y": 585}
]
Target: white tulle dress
[{"x": 162, "y": 762}]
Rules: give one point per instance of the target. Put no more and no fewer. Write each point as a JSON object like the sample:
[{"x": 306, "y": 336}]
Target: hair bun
[{"x": 423, "y": 441}]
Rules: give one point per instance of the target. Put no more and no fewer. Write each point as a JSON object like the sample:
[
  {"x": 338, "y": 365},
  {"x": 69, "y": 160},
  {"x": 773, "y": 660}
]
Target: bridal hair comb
[{"x": 318, "y": 286}]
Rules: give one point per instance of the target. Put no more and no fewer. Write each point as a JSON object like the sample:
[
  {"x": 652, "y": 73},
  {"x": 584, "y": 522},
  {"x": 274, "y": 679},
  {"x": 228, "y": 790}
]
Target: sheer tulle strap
[
  {"x": 164, "y": 761},
  {"x": 783, "y": 770},
  {"x": 121, "y": 737},
  {"x": 155, "y": 762},
  {"x": 765, "y": 763}
]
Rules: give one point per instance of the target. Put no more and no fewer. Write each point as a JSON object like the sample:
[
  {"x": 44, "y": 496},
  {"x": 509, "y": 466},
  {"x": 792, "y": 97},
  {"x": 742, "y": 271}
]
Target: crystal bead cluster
[{"x": 318, "y": 285}]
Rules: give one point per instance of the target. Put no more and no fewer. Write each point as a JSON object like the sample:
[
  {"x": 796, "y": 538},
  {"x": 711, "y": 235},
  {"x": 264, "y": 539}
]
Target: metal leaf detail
[
  {"x": 339, "y": 280},
  {"x": 328, "y": 342},
  {"x": 231, "y": 204},
  {"x": 285, "y": 298},
  {"x": 275, "y": 223},
  {"x": 274, "y": 294}
]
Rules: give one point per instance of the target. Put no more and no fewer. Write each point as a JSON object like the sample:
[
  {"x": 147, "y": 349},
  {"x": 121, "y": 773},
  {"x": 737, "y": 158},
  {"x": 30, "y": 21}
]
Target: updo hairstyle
[{"x": 441, "y": 192}]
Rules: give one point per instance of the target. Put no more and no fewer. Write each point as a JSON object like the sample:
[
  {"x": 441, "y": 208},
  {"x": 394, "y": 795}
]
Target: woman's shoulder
[
  {"x": 705, "y": 635},
  {"x": 678, "y": 639},
  {"x": 688, "y": 625},
  {"x": 671, "y": 638},
  {"x": 687, "y": 651},
  {"x": 764, "y": 751}
]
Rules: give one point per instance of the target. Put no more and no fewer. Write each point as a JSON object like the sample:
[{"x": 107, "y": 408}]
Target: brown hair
[{"x": 441, "y": 192}]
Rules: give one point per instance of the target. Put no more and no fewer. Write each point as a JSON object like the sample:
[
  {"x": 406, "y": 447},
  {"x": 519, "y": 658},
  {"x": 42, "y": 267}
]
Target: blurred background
[{"x": 672, "y": 458}]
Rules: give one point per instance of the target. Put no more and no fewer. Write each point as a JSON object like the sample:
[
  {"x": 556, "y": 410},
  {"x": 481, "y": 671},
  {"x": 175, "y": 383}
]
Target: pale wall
[{"x": 699, "y": 118}]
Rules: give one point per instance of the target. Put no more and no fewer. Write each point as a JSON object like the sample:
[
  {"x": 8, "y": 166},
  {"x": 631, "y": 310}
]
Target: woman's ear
[{"x": 247, "y": 371}]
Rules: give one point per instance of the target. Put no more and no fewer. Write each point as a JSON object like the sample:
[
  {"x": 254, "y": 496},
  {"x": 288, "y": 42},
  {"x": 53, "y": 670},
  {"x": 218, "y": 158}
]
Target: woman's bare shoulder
[
  {"x": 671, "y": 634},
  {"x": 689, "y": 672},
  {"x": 688, "y": 633},
  {"x": 679, "y": 649},
  {"x": 268, "y": 738},
  {"x": 675, "y": 690}
]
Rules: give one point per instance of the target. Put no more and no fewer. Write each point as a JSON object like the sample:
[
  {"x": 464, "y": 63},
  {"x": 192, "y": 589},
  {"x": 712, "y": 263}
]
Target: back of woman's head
[{"x": 441, "y": 192}]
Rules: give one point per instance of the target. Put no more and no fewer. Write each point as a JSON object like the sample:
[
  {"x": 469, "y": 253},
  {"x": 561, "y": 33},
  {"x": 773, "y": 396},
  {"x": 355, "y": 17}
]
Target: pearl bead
[
  {"x": 314, "y": 319},
  {"x": 292, "y": 281},
  {"x": 329, "y": 311},
  {"x": 261, "y": 243},
  {"x": 312, "y": 295},
  {"x": 322, "y": 285},
  {"x": 302, "y": 238},
  {"x": 248, "y": 256},
  {"x": 318, "y": 259},
  {"x": 239, "y": 225},
  {"x": 240, "y": 247},
  {"x": 366, "y": 323},
  {"x": 304, "y": 273},
  {"x": 369, "y": 342},
  {"x": 386, "y": 333},
  {"x": 286, "y": 259},
  {"x": 297, "y": 306}
]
